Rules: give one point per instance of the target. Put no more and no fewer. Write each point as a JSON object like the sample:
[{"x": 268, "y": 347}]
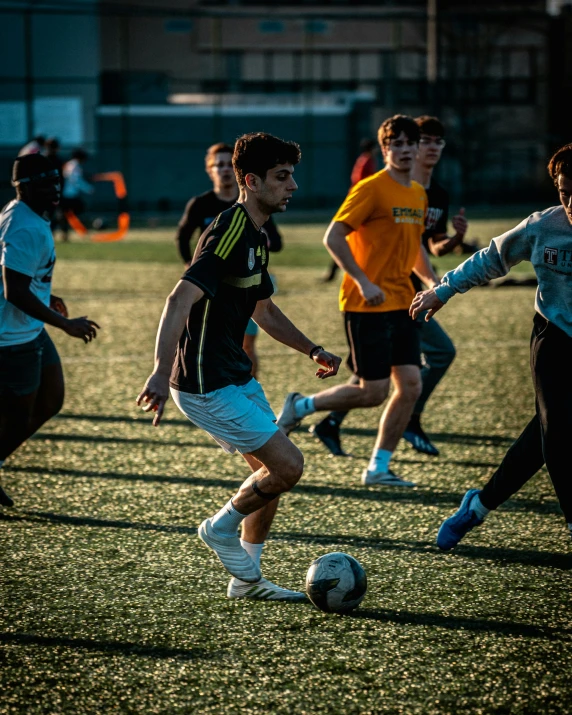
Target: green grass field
[{"x": 111, "y": 604}]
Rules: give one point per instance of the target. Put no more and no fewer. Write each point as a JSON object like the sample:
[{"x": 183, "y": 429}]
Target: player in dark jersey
[
  {"x": 201, "y": 211},
  {"x": 436, "y": 346},
  {"x": 202, "y": 325}
]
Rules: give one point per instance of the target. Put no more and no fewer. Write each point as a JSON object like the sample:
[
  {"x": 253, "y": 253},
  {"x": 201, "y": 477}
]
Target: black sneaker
[
  {"x": 5, "y": 500},
  {"x": 328, "y": 432},
  {"x": 417, "y": 438}
]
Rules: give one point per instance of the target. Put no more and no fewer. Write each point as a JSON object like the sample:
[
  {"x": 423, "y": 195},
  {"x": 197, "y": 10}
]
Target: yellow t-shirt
[{"x": 388, "y": 221}]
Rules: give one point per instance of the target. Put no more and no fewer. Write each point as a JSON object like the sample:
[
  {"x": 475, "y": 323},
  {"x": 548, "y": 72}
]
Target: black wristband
[{"x": 314, "y": 350}]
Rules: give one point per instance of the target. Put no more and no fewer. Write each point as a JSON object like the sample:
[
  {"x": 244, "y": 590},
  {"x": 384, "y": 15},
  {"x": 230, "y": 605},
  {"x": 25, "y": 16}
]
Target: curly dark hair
[
  {"x": 391, "y": 128},
  {"x": 258, "y": 152},
  {"x": 432, "y": 126},
  {"x": 561, "y": 163}
]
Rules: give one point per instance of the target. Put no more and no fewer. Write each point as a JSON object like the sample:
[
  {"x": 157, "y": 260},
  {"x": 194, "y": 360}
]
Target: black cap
[{"x": 32, "y": 167}]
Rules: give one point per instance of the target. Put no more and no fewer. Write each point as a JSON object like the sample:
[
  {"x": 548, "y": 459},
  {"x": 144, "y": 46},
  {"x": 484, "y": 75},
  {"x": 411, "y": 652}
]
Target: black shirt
[
  {"x": 201, "y": 211},
  {"x": 435, "y": 221},
  {"x": 231, "y": 266}
]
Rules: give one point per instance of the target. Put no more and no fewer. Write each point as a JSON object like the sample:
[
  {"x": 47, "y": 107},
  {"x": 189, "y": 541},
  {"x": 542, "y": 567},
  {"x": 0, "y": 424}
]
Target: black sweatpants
[{"x": 548, "y": 436}]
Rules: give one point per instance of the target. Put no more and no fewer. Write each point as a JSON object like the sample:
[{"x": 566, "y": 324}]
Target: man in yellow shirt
[{"x": 375, "y": 237}]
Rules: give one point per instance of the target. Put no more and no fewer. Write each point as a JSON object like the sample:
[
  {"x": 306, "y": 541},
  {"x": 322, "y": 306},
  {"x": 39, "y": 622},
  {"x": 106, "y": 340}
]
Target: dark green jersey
[{"x": 231, "y": 266}]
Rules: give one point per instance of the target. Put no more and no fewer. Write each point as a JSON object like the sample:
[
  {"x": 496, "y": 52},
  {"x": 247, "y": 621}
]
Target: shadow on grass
[
  {"x": 508, "y": 628},
  {"x": 123, "y": 418},
  {"x": 451, "y": 437},
  {"x": 148, "y": 651},
  {"x": 50, "y": 517},
  {"x": 513, "y": 556},
  {"x": 420, "y": 496},
  {"x": 100, "y": 439}
]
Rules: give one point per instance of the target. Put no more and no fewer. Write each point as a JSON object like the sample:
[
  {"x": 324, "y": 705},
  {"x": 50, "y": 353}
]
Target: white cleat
[
  {"x": 287, "y": 420},
  {"x": 230, "y": 553},
  {"x": 386, "y": 478},
  {"x": 263, "y": 590}
]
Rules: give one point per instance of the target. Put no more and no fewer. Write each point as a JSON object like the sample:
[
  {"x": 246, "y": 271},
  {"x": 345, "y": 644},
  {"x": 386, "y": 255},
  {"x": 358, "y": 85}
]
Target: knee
[
  {"x": 291, "y": 469},
  {"x": 374, "y": 395},
  {"x": 411, "y": 388}
]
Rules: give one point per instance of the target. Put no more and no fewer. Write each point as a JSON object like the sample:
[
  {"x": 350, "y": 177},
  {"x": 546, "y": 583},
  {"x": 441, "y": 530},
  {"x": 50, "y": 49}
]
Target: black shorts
[
  {"x": 21, "y": 366},
  {"x": 377, "y": 341}
]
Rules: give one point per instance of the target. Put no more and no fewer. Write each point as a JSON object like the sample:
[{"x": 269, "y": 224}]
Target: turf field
[{"x": 111, "y": 603}]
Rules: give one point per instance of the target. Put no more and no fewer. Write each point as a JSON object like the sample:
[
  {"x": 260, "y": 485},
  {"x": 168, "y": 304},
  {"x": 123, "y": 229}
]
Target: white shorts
[{"x": 239, "y": 418}]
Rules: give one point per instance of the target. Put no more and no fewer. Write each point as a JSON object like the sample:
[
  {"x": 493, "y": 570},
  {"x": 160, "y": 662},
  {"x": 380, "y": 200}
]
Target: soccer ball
[{"x": 336, "y": 583}]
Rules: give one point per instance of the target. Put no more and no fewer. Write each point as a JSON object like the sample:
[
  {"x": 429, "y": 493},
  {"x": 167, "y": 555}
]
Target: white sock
[
  {"x": 253, "y": 550},
  {"x": 477, "y": 506},
  {"x": 379, "y": 461},
  {"x": 227, "y": 520},
  {"x": 304, "y": 407}
]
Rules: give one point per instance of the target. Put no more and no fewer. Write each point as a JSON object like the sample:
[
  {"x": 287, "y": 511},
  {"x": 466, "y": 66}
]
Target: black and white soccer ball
[{"x": 336, "y": 583}]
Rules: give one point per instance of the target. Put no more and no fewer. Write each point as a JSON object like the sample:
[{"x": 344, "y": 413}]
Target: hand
[
  {"x": 425, "y": 301},
  {"x": 155, "y": 394},
  {"x": 460, "y": 224},
  {"x": 81, "y": 328},
  {"x": 329, "y": 361},
  {"x": 371, "y": 293},
  {"x": 59, "y": 306}
]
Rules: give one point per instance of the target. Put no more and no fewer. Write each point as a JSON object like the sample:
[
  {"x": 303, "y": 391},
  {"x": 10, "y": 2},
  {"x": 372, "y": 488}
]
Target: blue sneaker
[{"x": 455, "y": 527}]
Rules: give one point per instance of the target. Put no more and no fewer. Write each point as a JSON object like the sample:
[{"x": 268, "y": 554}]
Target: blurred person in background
[
  {"x": 34, "y": 146},
  {"x": 31, "y": 377},
  {"x": 75, "y": 187},
  {"x": 202, "y": 210}
]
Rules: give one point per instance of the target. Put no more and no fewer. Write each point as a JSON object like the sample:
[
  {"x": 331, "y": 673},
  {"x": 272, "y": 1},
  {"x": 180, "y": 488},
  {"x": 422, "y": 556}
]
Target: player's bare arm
[
  {"x": 17, "y": 291},
  {"x": 175, "y": 313},
  {"x": 335, "y": 242},
  {"x": 273, "y": 321},
  {"x": 424, "y": 270},
  {"x": 441, "y": 243},
  {"x": 425, "y": 301}
]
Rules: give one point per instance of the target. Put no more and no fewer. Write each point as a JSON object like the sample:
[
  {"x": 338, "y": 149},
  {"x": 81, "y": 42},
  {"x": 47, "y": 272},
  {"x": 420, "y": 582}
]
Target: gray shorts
[{"x": 238, "y": 417}]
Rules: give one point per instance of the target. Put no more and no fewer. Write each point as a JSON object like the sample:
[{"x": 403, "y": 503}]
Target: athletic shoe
[
  {"x": 263, "y": 590},
  {"x": 417, "y": 438},
  {"x": 287, "y": 420},
  {"x": 455, "y": 527},
  {"x": 328, "y": 432},
  {"x": 5, "y": 500},
  {"x": 387, "y": 478},
  {"x": 230, "y": 552}
]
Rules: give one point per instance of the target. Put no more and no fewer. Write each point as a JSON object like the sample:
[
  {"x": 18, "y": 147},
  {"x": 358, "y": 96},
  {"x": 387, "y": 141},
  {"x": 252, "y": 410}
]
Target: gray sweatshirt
[{"x": 544, "y": 239}]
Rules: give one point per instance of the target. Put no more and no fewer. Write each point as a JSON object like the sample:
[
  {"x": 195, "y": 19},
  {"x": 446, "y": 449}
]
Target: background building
[{"x": 146, "y": 88}]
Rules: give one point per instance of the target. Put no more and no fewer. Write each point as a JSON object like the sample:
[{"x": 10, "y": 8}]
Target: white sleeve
[
  {"x": 495, "y": 261},
  {"x": 21, "y": 252}
]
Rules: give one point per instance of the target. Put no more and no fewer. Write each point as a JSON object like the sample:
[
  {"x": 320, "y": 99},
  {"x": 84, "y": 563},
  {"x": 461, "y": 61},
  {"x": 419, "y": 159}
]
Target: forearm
[
  {"x": 337, "y": 246},
  {"x": 443, "y": 244},
  {"x": 423, "y": 268},
  {"x": 28, "y": 303},
  {"x": 477, "y": 270},
  {"x": 183, "y": 241},
  {"x": 273, "y": 321}
]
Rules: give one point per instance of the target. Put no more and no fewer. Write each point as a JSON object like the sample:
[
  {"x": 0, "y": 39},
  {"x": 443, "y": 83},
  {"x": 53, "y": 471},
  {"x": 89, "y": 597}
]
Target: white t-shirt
[{"x": 26, "y": 246}]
